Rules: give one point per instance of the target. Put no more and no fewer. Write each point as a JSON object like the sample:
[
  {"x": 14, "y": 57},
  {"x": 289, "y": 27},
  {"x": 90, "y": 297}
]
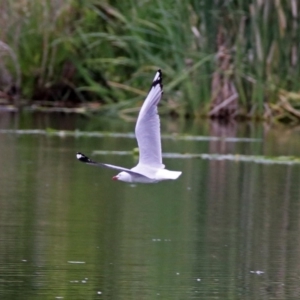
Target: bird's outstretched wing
[
  {"x": 83, "y": 158},
  {"x": 147, "y": 129}
]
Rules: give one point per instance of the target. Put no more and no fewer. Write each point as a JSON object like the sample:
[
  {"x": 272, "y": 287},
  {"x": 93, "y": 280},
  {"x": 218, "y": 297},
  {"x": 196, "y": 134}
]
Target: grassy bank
[{"x": 229, "y": 59}]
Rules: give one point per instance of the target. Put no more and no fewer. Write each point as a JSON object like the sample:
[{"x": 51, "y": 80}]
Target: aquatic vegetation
[
  {"x": 229, "y": 59},
  {"x": 130, "y": 135},
  {"x": 260, "y": 159}
]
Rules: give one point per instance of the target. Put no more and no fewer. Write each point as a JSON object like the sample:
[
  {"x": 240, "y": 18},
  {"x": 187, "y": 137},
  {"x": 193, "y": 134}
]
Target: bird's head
[{"x": 123, "y": 176}]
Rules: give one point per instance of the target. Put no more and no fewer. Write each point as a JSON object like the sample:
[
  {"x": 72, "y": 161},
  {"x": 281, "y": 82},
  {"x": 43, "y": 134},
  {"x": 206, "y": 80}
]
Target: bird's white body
[
  {"x": 150, "y": 168},
  {"x": 149, "y": 175}
]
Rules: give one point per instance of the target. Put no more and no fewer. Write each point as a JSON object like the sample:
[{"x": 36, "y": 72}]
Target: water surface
[{"x": 227, "y": 229}]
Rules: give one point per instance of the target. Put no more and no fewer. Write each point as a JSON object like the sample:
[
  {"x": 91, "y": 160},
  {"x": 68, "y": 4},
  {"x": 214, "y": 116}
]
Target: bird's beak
[{"x": 115, "y": 178}]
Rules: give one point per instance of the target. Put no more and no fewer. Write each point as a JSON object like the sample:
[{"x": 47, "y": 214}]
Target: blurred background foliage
[{"x": 219, "y": 58}]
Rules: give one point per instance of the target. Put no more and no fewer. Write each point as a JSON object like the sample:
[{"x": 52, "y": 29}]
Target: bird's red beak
[{"x": 115, "y": 178}]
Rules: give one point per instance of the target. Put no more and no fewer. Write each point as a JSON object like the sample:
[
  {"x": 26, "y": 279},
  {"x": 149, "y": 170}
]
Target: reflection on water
[{"x": 224, "y": 230}]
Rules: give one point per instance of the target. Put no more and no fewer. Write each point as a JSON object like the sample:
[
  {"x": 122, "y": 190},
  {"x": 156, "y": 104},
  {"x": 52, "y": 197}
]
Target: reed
[{"x": 107, "y": 51}]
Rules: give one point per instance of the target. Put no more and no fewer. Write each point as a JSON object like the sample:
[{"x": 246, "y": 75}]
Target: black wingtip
[
  {"x": 158, "y": 79},
  {"x": 81, "y": 157}
]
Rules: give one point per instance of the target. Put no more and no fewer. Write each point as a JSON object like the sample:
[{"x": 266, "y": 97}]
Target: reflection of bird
[{"x": 150, "y": 168}]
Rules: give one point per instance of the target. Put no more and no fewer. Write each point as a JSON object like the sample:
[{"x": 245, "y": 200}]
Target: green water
[{"x": 224, "y": 230}]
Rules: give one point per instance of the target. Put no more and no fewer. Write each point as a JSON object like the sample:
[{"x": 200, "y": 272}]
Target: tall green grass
[{"x": 108, "y": 50}]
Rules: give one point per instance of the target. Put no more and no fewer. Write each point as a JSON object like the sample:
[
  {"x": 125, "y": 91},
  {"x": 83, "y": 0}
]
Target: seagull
[{"x": 150, "y": 168}]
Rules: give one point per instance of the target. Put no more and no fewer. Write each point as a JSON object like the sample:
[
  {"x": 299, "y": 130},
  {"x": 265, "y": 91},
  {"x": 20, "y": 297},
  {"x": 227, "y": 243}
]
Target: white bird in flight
[{"x": 150, "y": 168}]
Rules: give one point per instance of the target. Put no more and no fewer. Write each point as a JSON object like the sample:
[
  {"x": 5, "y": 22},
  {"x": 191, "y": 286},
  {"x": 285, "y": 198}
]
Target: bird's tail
[
  {"x": 164, "y": 174},
  {"x": 174, "y": 174}
]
